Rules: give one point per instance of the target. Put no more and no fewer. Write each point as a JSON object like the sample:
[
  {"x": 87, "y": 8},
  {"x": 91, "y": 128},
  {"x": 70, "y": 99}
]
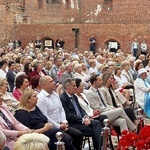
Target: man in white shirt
[
  {"x": 50, "y": 105},
  {"x": 3, "y": 66},
  {"x": 143, "y": 48},
  {"x": 135, "y": 47}
]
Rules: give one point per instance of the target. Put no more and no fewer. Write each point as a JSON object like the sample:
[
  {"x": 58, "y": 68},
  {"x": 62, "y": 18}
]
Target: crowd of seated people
[{"x": 71, "y": 92}]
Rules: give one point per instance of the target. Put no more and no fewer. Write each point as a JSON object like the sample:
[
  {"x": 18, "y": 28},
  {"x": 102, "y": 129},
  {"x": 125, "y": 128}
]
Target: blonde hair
[
  {"x": 76, "y": 66},
  {"x": 91, "y": 62},
  {"x": 2, "y": 80},
  {"x": 68, "y": 64},
  {"x": 62, "y": 67},
  {"x": 24, "y": 97},
  {"x": 125, "y": 63},
  {"x": 74, "y": 63},
  {"x": 48, "y": 65},
  {"x": 32, "y": 141}
]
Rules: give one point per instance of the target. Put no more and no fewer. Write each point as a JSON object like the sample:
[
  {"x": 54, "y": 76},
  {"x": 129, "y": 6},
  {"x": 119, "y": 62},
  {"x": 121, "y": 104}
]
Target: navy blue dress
[{"x": 35, "y": 120}]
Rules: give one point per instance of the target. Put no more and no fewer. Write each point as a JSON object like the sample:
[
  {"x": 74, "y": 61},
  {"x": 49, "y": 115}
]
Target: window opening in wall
[
  {"x": 47, "y": 43},
  {"x": 52, "y": 1},
  {"x": 40, "y": 4},
  {"x": 108, "y": 4},
  {"x": 112, "y": 45}
]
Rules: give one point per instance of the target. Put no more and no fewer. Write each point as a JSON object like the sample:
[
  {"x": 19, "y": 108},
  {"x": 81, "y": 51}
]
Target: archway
[
  {"x": 47, "y": 42},
  {"x": 112, "y": 45}
]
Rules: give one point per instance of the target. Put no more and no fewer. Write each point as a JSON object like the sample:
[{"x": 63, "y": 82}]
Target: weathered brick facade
[{"x": 119, "y": 20}]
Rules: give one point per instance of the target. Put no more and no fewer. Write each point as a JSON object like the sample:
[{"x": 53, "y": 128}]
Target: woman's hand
[
  {"x": 48, "y": 126},
  {"x": 115, "y": 85},
  {"x": 24, "y": 132}
]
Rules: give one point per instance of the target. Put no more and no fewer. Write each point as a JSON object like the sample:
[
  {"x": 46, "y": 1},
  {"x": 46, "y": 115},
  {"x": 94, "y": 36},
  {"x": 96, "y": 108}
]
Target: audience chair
[
  {"x": 118, "y": 132},
  {"x": 87, "y": 138}
]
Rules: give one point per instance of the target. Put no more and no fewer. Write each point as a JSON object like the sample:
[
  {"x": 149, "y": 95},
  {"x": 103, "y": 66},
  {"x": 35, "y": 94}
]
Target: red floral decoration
[{"x": 141, "y": 141}]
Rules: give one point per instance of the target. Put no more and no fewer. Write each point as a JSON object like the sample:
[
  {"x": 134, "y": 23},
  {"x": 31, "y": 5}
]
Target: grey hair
[
  {"x": 68, "y": 81},
  {"x": 68, "y": 64}
]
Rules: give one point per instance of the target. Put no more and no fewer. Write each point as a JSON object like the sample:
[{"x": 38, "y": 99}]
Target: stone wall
[{"x": 117, "y": 20}]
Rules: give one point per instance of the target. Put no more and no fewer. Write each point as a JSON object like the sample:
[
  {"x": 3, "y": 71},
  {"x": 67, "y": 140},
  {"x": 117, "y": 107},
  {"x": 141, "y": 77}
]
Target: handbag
[{"x": 129, "y": 87}]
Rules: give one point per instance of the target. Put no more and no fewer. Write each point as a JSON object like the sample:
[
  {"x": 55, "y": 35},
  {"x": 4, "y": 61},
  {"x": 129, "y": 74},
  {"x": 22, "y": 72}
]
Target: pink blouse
[{"x": 17, "y": 94}]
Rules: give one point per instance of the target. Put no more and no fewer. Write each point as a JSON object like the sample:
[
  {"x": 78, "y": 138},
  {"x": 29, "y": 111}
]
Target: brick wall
[{"x": 105, "y": 19}]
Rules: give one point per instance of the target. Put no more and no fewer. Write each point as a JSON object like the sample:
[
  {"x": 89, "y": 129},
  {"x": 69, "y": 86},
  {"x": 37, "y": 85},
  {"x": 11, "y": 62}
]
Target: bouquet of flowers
[{"x": 135, "y": 141}]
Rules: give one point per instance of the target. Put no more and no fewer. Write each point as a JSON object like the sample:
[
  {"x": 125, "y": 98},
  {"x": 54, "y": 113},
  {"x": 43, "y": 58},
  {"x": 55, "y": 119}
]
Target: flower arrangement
[{"x": 135, "y": 141}]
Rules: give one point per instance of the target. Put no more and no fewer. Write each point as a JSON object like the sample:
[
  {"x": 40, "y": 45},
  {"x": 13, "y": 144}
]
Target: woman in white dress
[
  {"x": 78, "y": 74},
  {"x": 84, "y": 103},
  {"x": 93, "y": 70},
  {"x": 122, "y": 83},
  {"x": 3, "y": 68}
]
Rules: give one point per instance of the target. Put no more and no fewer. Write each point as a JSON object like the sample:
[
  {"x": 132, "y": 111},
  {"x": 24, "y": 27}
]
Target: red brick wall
[{"x": 105, "y": 19}]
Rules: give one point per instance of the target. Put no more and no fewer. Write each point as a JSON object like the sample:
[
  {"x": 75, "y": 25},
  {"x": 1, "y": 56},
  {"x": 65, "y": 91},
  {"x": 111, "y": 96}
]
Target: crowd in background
[{"x": 123, "y": 78}]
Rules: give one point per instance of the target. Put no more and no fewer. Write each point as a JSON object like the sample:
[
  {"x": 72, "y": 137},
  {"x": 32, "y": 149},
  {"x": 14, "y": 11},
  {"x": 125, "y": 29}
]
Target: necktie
[
  {"x": 112, "y": 98},
  {"x": 101, "y": 98},
  {"x": 6, "y": 120},
  {"x": 75, "y": 107}
]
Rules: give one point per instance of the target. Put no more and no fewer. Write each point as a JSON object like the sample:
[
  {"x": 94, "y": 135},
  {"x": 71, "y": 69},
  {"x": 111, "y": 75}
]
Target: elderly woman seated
[
  {"x": 122, "y": 84},
  {"x": 126, "y": 75},
  {"x": 78, "y": 74},
  {"x": 10, "y": 126},
  {"x": 21, "y": 83},
  {"x": 142, "y": 91},
  {"x": 8, "y": 98}
]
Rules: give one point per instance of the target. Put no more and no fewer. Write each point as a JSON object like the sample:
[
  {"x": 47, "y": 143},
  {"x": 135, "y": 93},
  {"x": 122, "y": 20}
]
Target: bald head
[
  {"x": 47, "y": 83},
  {"x": 43, "y": 80}
]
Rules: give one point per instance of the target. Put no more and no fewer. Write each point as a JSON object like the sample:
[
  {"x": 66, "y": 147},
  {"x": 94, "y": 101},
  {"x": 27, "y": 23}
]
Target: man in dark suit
[
  {"x": 76, "y": 116},
  {"x": 92, "y": 42},
  {"x": 11, "y": 74},
  {"x": 17, "y": 43}
]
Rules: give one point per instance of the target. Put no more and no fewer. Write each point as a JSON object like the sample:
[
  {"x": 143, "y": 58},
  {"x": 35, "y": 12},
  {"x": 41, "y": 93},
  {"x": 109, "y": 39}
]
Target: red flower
[
  {"x": 148, "y": 140},
  {"x": 124, "y": 132},
  {"x": 141, "y": 141}
]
